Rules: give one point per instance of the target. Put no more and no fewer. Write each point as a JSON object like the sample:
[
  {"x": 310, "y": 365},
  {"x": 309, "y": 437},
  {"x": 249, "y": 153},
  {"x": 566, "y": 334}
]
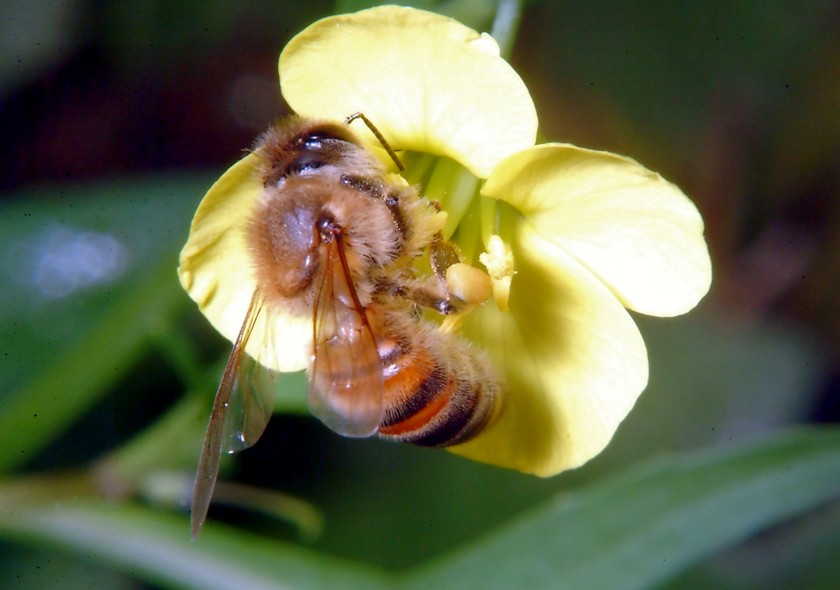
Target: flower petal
[
  {"x": 637, "y": 232},
  {"x": 216, "y": 270},
  {"x": 574, "y": 360},
  {"x": 428, "y": 83}
]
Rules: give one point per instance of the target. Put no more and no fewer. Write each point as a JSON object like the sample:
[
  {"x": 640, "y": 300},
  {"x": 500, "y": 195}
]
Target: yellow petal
[
  {"x": 574, "y": 363},
  {"x": 429, "y": 84},
  {"x": 637, "y": 232},
  {"x": 216, "y": 270}
]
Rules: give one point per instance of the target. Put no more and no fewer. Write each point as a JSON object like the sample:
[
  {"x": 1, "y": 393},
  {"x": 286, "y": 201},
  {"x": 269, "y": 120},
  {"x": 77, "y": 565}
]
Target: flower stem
[
  {"x": 506, "y": 25},
  {"x": 489, "y": 218},
  {"x": 451, "y": 185}
]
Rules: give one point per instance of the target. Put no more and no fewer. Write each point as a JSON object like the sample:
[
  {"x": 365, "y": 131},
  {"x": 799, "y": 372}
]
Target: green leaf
[
  {"x": 158, "y": 547},
  {"x": 647, "y": 525},
  {"x": 799, "y": 554},
  {"x": 633, "y": 531},
  {"x": 89, "y": 277}
]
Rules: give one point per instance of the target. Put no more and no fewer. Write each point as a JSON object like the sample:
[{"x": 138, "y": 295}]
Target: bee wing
[
  {"x": 240, "y": 413},
  {"x": 250, "y": 406},
  {"x": 345, "y": 380}
]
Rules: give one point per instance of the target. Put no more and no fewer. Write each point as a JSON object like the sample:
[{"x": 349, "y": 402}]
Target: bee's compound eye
[
  {"x": 320, "y": 138},
  {"x": 305, "y": 163},
  {"x": 311, "y": 141}
]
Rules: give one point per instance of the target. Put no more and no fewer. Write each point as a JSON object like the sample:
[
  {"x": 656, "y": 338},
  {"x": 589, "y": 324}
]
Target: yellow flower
[
  {"x": 591, "y": 233},
  {"x": 569, "y": 237}
]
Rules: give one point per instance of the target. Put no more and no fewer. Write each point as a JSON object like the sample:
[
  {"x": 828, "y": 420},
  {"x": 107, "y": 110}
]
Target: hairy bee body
[
  {"x": 336, "y": 238},
  {"x": 438, "y": 391}
]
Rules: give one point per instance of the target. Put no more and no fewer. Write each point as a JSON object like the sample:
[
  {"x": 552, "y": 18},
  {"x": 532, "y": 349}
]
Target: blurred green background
[{"x": 116, "y": 117}]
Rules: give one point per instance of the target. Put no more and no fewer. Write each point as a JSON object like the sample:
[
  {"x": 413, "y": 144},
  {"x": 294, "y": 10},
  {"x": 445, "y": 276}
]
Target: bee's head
[{"x": 303, "y": 148}]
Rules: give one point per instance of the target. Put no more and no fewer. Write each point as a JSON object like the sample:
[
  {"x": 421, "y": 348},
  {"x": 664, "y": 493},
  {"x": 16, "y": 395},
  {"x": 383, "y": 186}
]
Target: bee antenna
[{"x": 379, "y": 136}]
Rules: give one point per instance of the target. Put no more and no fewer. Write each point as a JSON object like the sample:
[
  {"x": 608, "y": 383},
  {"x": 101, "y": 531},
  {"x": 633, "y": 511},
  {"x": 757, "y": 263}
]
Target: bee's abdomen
[{"x": 438, "y": 392}]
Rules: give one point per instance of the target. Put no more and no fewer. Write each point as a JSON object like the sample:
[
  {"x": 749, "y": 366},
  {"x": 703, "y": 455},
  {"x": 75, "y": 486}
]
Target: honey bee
[{"x": 337, "y": 238}]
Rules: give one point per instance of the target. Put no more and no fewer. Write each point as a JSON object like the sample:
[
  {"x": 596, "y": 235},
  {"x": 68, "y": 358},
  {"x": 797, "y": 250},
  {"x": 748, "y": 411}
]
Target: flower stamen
[{"x": 498, "y": 259}]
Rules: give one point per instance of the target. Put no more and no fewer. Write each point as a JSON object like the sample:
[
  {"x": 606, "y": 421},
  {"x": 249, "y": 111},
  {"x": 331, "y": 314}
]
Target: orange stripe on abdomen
[{"x": 425, "y": 402}]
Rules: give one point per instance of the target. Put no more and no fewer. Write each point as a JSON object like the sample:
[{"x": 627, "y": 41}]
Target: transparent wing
[
  {"x": 345, "y": 379},
  {"x": 251, "y": 403},
  {"x": 240, "y": 413}
]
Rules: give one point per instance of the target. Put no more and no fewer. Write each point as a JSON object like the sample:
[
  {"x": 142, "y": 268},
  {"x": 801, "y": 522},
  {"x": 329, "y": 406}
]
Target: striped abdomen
[{"x": 438, "y": 390}]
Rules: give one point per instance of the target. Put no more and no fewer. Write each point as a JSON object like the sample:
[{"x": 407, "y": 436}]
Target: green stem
[
  {"x": 489, "y": 218},
  {"x": 418, "y": 167},
  {"x": 468, "y": 236},
  {"x": 169, "y": 443},
  {"x": 17, "y": 495},
  {"x": 451, "y": 185},
  {"x": 506, "y": 25},
  {"x": 180, "y": 352}
]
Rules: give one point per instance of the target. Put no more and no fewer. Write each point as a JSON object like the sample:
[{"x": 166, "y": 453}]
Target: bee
[{"x": 337, "y": 238}]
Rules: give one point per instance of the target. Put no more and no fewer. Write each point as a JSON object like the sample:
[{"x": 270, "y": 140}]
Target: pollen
[
  {"x": 468, "y": 283},
  {"x": 499, "y": 263}
]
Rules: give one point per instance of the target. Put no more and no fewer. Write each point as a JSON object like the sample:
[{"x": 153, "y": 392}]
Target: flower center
[{"x": 472, "y": 224}]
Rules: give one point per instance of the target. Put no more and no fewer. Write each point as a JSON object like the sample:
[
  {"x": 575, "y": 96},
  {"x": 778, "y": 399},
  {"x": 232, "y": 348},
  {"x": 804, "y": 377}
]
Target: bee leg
[
  {"x": 442, "y": 255},
  {"x": 365, "y": 184},
  {"x": 422, "y": 294},
  {"x": 463, "y": 285},
  {"x": 454, "y": 287}
]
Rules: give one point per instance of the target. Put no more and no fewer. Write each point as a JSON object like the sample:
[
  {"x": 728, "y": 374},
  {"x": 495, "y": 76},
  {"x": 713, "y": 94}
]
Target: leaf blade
[
  {"x": 643, "y": 527},
  {"x": 157, "y": 547}
]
